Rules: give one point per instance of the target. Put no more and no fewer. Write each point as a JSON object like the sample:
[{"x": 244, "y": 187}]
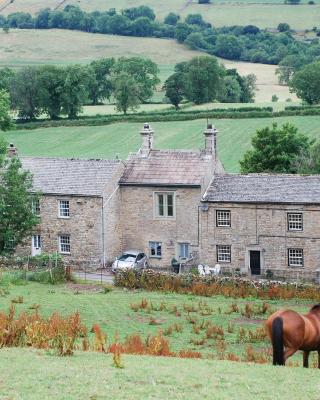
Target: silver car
[{"x": 130, "y": 259}]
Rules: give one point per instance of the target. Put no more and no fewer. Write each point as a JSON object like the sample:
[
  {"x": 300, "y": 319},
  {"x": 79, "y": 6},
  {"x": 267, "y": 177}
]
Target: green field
[
  {"x": 120, "y": 139},
  {"x": 263, "y": 13},
  {"x": 32, "y": 47},
  {"x": 92, "y": 376}
]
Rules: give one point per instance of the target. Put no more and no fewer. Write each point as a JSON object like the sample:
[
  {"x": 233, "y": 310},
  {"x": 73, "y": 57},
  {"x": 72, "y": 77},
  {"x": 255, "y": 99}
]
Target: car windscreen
[{"x": 127, "y": 257}]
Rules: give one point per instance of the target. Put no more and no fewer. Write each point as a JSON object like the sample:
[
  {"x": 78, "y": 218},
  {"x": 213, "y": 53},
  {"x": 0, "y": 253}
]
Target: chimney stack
[
  {"x": 11, "y": 150},
  {"x": 211, "y": 140},
  {"x": 147, "y": 139}
]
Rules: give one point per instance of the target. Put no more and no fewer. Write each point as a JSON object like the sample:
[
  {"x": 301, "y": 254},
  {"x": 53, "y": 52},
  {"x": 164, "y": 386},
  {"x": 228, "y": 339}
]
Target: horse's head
[{"x": 315, "y": 309}]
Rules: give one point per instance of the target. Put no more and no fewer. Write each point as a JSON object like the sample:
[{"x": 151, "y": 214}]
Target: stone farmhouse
[{"x": 176, "y": 204}]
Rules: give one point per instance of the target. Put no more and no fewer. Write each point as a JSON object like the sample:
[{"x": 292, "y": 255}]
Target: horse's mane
[{"x": 315, "y": 307}]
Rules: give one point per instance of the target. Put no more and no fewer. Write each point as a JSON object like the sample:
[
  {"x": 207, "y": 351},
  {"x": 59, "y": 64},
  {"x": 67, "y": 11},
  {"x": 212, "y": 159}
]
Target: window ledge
[{"x": 60, "y": 217}]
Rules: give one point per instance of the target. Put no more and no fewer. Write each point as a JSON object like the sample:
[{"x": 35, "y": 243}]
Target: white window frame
[
  {"x": 36, "y": 209},
  {"x": 184, "y": 250},
  {"x": 223, "y": 218},
  {"x": 295, "y": 257},
  {"x": 223, "y": 253},
  {"x": 64, "y": 212},
  {"x": 37, "y": 241},
  {"x": 295, "y": 221},
  {"x": 64, "y": 244},
  {"x": 155, "y": 245},
  {"x": 165, "y": 205}
]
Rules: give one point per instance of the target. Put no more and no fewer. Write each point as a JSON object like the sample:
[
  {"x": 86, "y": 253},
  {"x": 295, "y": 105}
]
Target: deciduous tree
[{"x": 275, "y": 149}]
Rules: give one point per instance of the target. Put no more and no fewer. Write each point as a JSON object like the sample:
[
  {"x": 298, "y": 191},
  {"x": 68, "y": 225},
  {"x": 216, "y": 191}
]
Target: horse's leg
[
  {"x": 289, "y": 351},
  {"x": 319, "y": 359},
  {"x": 306, "y": 359}
]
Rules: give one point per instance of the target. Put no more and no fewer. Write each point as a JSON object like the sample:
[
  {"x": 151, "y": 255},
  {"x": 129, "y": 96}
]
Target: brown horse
[{"x": 290, "y": 331}]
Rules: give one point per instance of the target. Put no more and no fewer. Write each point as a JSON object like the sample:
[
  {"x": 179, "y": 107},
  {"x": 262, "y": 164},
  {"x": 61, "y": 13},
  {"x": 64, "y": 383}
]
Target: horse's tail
[{"x": 277, "y": 341}]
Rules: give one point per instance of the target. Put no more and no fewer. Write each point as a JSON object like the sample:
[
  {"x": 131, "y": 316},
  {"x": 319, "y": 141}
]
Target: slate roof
[
  {"x": 264, "y": 188},
  {"x": 167, "y": 168},
  {"x": 70, "y": 176}
]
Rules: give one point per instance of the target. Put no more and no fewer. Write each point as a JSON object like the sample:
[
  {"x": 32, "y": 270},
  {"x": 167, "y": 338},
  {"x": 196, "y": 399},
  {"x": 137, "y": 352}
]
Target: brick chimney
[
  {"x": 11, "y": 150},
  {"x": 147, "y": 139},
  {"x": 211, "y": 140}
]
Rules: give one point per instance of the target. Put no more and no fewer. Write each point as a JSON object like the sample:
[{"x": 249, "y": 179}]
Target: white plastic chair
[
  {"x": 216, "y": 269},
  {"x": 207, "y": 270},
  {"x": 201, "y": 270}
]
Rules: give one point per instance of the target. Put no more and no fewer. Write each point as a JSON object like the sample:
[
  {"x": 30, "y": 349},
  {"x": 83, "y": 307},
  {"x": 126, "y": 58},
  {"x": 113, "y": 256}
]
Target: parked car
[{"x": 130, "y": 259}]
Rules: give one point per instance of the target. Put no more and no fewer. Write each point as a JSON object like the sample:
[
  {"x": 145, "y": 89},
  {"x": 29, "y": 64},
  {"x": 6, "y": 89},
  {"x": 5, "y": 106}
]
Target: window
[
  {"x": 224, "y": 253},
  {"x": 295, "y": 222},
  {"x": 36, "y": 206},
  {"x": 64, "y": 209},
  {"x": 36, "y": 241},
  {"x": 223, "y": 218},
  {"x": 155, "y": 249},
  {"x": 164, "y": 205},
  {"x": 184, "y": 250},
  {"x": 64, "y": 244},
  {"x": 295, "y": 257}
]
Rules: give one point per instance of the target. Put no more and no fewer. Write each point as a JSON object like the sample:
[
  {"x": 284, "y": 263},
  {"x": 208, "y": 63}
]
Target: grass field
[
  {"x": 113, "y": 312},
  {"x": 92, "y": 376},
  {"x": 32, "y": 47},
  {"x": 263, "y": 13},
  {"x": 120, "y": 139}
]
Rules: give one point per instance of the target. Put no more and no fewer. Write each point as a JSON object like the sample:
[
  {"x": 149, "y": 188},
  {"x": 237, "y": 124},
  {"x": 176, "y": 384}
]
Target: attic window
[
  {"x": 164, "y": 205},
  {"x": 295, "y": 222},
  {"x": 223, "y": 218},
  {"x": 64, "y": 209}
]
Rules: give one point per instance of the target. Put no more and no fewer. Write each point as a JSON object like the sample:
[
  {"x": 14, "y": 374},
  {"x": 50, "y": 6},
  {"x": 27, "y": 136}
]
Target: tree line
[
  {"x": 246, "y": 43},
  {"x": 57, "y": 91}
]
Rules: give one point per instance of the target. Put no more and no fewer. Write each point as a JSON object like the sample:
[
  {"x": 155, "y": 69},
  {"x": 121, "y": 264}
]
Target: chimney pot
[{"x": 11, "y": 150}]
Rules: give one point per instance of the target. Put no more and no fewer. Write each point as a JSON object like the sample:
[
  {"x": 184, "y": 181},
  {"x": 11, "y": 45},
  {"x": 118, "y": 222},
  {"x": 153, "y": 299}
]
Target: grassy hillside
[
  {"x": 120, "y": 139},
  {"x": 263, "y": 13},
  {"x": 92, "y": 376},
  {"x": 22, "y": 47}
]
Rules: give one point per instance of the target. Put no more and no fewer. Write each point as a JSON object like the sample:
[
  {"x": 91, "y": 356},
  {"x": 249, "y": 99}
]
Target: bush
[
  {"x": 53, "y": 276},
  {"x": 212, "y": 286}
]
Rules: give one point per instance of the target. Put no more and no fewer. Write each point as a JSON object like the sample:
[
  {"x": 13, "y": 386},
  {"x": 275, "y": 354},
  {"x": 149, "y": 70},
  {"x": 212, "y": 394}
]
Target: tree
[
  {"x": 204, "y": 79},
  {"x": 143, "y": 71},
  {"x": 196, "y": 41},
  {"x": 283, "y": 27},
  {"x": 182, "y": 31},
  {"x": 248, "y": 88},
  {"x": 75, "y": 92},
  {"x": 99, "y": 85},
  {"x": 142, "y": 27},
  {"x": 24, "y": 93},
  {"x": 195, "y": 19},
  {"x": 308, "y": 162},
  {"x": 174, "y": 87},
  {"x": 275, "y": 150},
  {"x": 171, "y": 19},
  {"x": 50, "y": 92},
  {"x": 42, "y": 19},
  {"x": 232, "y": 91},
  {"x": 137, "y": 12},
  {"x": 306, "y": 83},
  {"x": 228, "y": 46},
  {"x": 17, "y": 218},
  {"x": 5, "y": 120},
  {"x": 125, "y": 92},
  {"x": 6, "y": 75}
]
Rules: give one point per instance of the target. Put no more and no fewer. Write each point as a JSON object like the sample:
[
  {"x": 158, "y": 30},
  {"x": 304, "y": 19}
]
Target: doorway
[{"x": 255, "y": 264}]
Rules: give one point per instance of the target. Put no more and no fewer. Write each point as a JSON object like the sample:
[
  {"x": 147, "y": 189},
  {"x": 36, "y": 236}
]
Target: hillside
[
  {"x": 122, "y": 138},
  {"x": 22, "y": 47},
  {"x": 262, "y": 13},
  {"x": 92, "y": 376}
]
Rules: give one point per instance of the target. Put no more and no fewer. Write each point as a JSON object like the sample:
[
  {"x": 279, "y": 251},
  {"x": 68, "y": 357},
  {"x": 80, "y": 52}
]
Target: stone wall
[
  {"x": 139, "y": 225},
  {"x": 262, "y": 228}
]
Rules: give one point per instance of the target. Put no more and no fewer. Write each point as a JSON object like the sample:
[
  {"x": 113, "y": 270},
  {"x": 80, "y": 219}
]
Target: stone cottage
[
  {"x": 261, "y": 222},
  {"x": 160, "y": 194},
  {"x": 79, "y": 208}
]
